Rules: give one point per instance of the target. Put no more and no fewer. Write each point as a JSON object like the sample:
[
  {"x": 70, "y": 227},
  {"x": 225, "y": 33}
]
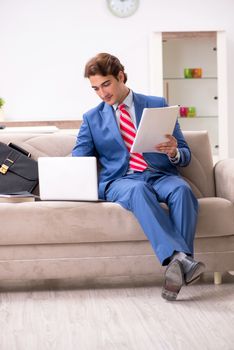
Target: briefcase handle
[{"x": 19, "y": 149}]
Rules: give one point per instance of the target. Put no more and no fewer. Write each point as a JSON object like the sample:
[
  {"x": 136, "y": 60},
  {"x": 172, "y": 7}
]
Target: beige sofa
[{"x": 102, "y": 242}]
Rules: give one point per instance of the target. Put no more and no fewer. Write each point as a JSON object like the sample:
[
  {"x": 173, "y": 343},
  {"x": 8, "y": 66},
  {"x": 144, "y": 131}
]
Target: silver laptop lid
[{"x": 68, "y": 178}]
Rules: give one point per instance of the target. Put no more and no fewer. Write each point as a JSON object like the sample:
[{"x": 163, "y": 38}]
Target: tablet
[{"x": 154, "y": 125}]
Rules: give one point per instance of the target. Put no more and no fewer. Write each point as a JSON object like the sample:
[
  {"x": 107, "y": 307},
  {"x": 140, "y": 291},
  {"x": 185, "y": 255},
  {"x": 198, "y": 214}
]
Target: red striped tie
[{"x": 128, "y": 132}]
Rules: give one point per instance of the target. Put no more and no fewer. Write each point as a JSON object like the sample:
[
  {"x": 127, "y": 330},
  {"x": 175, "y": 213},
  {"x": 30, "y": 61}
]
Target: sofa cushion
[{"x": 75, "y": 222}]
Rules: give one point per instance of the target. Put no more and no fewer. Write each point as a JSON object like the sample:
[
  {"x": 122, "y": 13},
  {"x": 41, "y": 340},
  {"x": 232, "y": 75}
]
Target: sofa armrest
[{"x": 224, "y": 179}]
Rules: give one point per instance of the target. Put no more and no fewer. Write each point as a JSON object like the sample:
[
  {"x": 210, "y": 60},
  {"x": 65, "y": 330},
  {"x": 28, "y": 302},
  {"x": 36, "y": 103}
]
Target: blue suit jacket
[{"x": 99, "y": 136}]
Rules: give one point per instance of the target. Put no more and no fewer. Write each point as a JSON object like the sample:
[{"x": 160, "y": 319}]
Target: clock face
[{"x": 123, "y": 8}]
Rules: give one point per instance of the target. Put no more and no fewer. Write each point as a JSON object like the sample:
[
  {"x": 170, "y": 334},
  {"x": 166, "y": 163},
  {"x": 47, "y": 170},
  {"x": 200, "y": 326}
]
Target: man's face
[{"x": 108, "y": 88}]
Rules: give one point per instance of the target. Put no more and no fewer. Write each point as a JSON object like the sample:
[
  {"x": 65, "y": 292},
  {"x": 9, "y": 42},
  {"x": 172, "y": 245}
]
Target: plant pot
[{"x": 1, "y": 114}]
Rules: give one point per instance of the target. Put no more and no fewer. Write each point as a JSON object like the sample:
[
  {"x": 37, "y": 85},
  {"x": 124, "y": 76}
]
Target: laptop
[{"x": 68, "y": 178}]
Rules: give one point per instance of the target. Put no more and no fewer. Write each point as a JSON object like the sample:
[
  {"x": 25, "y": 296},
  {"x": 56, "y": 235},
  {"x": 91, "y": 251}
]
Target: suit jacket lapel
[
  {"x": 139, "y": 104},
  {"x": 110, "y": 122}
]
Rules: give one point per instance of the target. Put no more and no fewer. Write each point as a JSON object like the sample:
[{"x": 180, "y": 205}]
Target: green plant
[{"x": 1, "y": 102}]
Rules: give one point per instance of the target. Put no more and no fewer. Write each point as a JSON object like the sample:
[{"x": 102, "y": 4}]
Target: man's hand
[{"x": 169, "y": 147}]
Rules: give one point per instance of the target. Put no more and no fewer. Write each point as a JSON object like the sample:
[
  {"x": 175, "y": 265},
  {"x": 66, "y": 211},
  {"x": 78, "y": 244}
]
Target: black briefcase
[{"x": 18, "y": 172}]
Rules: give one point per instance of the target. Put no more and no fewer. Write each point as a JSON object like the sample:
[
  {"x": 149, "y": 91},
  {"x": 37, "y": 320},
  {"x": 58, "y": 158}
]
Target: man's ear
[{"x": 121, "y": 76}]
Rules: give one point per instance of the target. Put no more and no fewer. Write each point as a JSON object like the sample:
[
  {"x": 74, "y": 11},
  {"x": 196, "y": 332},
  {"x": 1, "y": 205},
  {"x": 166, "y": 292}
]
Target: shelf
[
  {"x": 188, "y": 35},
  {"x": 181, "y": 78},
  {"x": 200, "y": 117}
]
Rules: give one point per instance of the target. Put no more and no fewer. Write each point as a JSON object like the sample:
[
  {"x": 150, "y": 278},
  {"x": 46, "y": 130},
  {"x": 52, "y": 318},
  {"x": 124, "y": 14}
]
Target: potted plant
[
  {"x": 1, "y": 110},
  {"x": 1, "y": 102}
]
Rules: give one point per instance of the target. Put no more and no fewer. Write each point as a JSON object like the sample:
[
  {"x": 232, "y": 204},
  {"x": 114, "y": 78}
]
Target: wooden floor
[{"x": 117, "y": 318}]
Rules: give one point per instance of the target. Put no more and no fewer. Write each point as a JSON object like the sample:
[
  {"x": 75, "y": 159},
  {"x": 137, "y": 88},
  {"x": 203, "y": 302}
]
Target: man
[{"x": 140, "y": 182}]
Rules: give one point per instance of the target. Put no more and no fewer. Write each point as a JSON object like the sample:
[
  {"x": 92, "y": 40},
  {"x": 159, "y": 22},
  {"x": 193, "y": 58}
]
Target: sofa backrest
[
  {"x": 199, "y": 173},
  {"x": 41, "y": 145}
]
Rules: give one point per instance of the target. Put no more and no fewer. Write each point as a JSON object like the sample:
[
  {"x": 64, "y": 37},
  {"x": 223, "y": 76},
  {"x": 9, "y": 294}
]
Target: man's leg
[
  {"x": 183, "y": 209},
  {"x": 182, "y": 204},
  {"x": 134, "y": 194}
]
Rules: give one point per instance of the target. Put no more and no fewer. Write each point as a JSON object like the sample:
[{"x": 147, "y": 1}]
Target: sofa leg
[{"x": 217, "y": 278}]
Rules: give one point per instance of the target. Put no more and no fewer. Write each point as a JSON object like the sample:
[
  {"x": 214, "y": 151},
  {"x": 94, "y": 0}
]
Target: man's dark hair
[{"x": 104, "y": 64}]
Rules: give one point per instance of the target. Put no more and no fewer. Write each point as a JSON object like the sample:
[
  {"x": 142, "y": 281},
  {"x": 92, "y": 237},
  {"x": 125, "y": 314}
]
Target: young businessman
[{"x": 140, "y": 182}]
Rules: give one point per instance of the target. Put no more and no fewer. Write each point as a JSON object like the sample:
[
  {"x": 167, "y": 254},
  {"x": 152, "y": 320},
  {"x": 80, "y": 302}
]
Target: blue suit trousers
[{"x": 168, "y": 230}]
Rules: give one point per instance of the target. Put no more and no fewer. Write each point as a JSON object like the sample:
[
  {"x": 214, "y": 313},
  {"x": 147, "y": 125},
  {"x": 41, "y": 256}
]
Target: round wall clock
[{"x": 123, "y": 8}]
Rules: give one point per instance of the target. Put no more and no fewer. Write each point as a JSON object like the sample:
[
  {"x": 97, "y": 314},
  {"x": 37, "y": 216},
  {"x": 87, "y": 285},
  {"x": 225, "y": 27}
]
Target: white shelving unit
[{"x": 174, "y": 51}]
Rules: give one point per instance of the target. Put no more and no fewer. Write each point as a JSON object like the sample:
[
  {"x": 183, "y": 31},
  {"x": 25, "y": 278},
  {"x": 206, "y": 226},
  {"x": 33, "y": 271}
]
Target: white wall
[{"x": 44, "y": 45}]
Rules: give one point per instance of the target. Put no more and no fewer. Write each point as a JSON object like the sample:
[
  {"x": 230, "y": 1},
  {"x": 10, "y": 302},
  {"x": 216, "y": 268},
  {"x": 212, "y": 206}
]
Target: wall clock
[{"x": 123, "y": 8}]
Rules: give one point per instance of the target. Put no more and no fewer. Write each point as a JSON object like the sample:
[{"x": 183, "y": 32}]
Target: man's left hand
[{"x": 169, "y": 147}]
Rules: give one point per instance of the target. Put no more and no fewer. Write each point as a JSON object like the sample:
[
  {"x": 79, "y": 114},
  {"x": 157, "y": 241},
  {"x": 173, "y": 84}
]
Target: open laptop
[{"x": 68, "y": 178}]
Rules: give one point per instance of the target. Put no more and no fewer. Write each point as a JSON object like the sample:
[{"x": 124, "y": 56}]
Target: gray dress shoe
[
  {"x": 174, "y": 280},
  {"x": 192, "y": 269}
]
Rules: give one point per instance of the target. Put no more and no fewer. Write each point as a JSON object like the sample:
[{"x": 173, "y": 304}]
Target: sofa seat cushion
[{"x": 57, "y": 222}]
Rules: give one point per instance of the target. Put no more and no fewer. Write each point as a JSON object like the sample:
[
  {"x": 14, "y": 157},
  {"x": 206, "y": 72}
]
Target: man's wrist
[{"x": 176, "y": 158}]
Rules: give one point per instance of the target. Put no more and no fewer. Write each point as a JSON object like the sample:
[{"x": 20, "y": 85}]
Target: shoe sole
[{"x": 174, "y": 280}]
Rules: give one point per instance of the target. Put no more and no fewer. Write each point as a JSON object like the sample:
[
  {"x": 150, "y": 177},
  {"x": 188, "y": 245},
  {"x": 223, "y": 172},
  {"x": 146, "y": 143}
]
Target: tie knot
[{"x": 121, "y": 106}]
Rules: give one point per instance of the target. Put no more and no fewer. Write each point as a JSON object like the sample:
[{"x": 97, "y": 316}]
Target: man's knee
[
  {"x": 142, "y": 192},
  {"x": 139, "y": 188},
  {"x": 184, "y": 192}
]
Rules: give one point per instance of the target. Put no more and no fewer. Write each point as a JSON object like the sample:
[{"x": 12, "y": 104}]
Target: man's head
[
  {"x": 107, "y": 78},
  {"x": 104, "y": 64}
]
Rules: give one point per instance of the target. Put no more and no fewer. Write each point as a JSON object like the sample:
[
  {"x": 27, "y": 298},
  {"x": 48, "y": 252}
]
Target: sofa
[{"x": 100, "y": 242}]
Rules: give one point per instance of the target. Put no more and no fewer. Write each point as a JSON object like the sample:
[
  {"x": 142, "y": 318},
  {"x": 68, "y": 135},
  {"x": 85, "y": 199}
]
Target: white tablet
[{"x": 154, "y": 125}]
